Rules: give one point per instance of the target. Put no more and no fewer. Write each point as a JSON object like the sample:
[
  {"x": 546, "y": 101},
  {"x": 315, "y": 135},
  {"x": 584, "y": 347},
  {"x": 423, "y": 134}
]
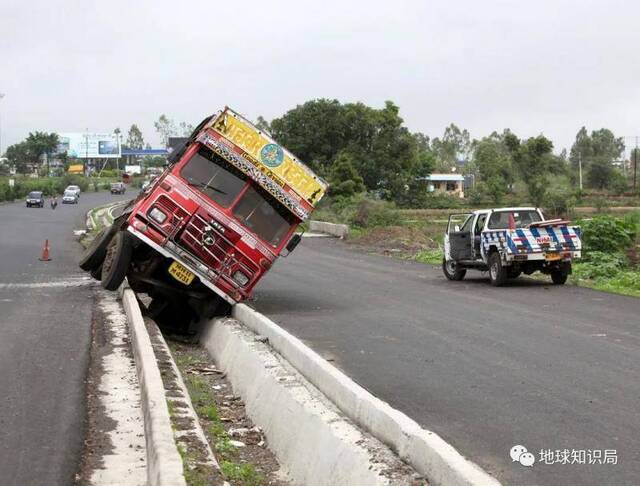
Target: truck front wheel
[
  {"x": 94, "y": 254},
  {"x": 452, "y": 270},
  {"x": 497, "y": 273},
  {"x": 116, "y": 261}
]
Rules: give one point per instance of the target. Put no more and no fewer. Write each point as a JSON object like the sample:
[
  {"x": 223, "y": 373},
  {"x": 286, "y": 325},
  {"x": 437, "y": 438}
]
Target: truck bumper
[
  {"x": 168, "y": 253},
  {"x": 540, "y": 256}
]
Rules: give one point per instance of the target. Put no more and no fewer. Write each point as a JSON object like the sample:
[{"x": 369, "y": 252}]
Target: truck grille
[{"x": 213, "y": 255}]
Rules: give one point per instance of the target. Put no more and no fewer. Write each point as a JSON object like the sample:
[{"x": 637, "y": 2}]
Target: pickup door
[{"x": 460, "y": 242}]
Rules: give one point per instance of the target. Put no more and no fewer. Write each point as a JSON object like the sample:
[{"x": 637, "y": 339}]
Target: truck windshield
[
  {"x": 263, "y": 215},
  {"x": 500, "y": 219},
  {"x": 214, "y": 176}
]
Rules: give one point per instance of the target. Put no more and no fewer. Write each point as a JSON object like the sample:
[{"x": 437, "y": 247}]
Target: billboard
[{"x": 89, "y": 145}]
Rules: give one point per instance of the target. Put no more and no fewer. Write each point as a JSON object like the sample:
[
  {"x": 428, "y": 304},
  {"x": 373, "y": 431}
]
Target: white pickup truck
[{"x": 508, "y": 242}]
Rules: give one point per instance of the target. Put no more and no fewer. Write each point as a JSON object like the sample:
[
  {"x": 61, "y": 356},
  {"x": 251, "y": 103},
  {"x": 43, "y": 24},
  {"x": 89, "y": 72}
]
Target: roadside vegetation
[
  {"x": 240, "y": 448},
  {"x": 611, "y": 240}
]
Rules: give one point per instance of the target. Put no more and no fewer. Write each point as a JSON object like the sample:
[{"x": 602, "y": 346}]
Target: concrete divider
[
  {"x": 427, "y": 452},
  {"x": 314, "y": 443},
  {"x": 339, "y": 230},
  {"x": 164, "y": 464}
]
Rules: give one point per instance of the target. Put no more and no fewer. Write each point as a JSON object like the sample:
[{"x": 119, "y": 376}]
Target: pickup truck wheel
[
  {"x": 97, "y": 249},
  {"x": 116, "y": 261},
  {"x": 452, "y": 271},
  {"x": 513, "y": 272},
  {"x": 497, "y": 273},
  {"x": 559, "y": 277}
]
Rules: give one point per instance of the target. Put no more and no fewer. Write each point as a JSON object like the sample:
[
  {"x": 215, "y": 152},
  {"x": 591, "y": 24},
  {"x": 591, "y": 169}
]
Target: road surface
[
  {"x": 486, "y": 368},
  {"x": 45, "y": 324}
]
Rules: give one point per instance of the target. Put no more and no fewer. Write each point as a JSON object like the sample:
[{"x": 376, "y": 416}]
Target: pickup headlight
[
  {"x": 157, "y": 215},
  {"x": 240, "y": 278}
]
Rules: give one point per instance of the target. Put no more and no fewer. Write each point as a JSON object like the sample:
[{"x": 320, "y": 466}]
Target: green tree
[
  {"x": 344, "y": 179},
  {"x": 166, "y": 128},
  {"x": 134, "y": 138},
  {"x": 535, "y": 163},
  {"x": 387, "y": 156},
  {"x": 39, "y": 144},
  {"x": 596, "y": 153},
  {"x": 493, "y": 159},
  {"x": 185, "y": 129},
  {"x": 18, "y": 157},
  {"x": 455, "y": 144},
  {"x": 262, "y": 124}
]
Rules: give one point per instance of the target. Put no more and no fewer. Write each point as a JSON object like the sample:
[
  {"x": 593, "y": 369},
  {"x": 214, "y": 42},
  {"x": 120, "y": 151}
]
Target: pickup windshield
[{"x": 521, "y": 219}]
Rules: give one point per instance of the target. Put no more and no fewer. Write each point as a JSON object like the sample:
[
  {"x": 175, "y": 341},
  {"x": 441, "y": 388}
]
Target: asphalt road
[
  {"x": 486, "y": 368},
  {"x": 45, "y": 324}
]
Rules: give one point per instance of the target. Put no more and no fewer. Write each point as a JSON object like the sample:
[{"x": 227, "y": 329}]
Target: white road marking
[{"x": 71, "y": 282}]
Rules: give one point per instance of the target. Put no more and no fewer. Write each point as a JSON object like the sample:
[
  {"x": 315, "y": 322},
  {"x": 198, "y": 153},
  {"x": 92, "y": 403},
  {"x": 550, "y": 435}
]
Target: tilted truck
[
  {"x": 203, "y": 234},
  {"x": 508, "y": 242}
]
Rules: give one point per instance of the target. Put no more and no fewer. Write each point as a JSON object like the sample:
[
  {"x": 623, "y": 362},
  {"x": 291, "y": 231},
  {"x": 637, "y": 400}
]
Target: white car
[
  {"x": 74, "y": 189},
  {"x": 70, "y": 197}
]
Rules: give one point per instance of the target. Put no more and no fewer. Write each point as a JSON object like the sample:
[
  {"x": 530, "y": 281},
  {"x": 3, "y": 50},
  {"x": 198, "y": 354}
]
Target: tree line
[
  {"x": 30, "y": 153},
  {"x": 357, "y": 148}
]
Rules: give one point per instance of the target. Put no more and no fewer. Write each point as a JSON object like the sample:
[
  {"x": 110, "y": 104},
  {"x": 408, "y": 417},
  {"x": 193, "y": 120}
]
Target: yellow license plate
[
  {"x": 552, "y": 256},
  {"x": 180, "y": 273}
]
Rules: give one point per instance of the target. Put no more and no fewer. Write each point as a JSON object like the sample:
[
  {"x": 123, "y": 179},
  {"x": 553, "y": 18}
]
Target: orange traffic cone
[{"x": 45, "y": 252}]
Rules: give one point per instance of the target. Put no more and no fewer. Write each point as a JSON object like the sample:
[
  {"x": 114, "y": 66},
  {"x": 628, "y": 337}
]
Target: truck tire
[
  {"x": 116, "y": 261},
  {"x": 513, "y": 272},
  {"x": 97, "y": 249},
  {"x": 452, "y": 271},
  {"x": 559, "y": 277},
  {"x": 497, "y": 273}
]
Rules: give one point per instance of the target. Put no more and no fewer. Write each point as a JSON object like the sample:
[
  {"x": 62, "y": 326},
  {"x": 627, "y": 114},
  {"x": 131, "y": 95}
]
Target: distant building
[{"x": 451, "y": 184}]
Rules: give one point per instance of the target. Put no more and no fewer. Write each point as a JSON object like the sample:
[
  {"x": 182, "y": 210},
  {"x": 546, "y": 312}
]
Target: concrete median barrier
[
  {"x": 427, "y": 452},
  {"x": 164, "y": 464},
  {"x": 314, "y": 443},
  {"x": 338, "y": 230}
]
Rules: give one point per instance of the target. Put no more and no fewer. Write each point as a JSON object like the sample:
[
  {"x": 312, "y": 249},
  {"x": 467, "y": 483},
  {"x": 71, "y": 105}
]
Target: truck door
[
  {"x": 477, "y": 234},
  {"x": 460, "y": 242}
]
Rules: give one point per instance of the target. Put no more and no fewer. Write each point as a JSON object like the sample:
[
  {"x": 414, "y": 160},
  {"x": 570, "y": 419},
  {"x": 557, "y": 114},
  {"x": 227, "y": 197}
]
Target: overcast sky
[{"x": 545, "y": 66}]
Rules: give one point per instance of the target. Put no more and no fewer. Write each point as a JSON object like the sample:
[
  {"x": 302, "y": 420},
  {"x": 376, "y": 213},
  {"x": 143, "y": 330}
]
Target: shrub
[
  {"x": 598, "y": 264},
  {"x": 370, "y": 212},
  {"x": 559, "y": 198},
  {"x": 607, "y": 234}
]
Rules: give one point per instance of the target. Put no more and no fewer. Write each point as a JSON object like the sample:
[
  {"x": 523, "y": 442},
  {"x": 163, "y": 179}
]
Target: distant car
[
  {"x": 74, "y": 189},
  {"x": 70, "y": 197},
  {"x": 35, "y": 199},
  {"x": 118, "y": 188}
]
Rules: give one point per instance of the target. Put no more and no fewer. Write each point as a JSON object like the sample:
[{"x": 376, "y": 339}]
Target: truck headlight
[
  {"x": 240, "y": 278},
  {"x": 157, "y": 215}
]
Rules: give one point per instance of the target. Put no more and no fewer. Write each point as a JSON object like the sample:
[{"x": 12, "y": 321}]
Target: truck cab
[
  {"x": 507, "y": 242},
  {"x": 204, "y": 233}
]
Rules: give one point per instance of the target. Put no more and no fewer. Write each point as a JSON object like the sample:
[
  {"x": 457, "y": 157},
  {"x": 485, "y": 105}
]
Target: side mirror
[
  {"x": 456, "y": 228},
  {"x": 293, "y": 242}
]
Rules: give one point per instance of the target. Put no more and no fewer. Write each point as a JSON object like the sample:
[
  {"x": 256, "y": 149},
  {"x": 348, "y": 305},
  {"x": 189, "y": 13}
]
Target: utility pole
[
  {"x": 1, "y": 96},
  {"x": 580, "y": 169},
  {"x": 635, "y": 165}
]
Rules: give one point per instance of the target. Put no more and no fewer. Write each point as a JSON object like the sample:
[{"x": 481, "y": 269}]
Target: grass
[
  {"x": 244, "y": 473},
  {"x": 193, "y": 477},
  {"x": 202, "y": 397}
]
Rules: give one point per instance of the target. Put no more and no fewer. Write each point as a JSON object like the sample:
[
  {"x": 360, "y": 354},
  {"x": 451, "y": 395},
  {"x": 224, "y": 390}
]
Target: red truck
[{"x": 203, "y": 234}]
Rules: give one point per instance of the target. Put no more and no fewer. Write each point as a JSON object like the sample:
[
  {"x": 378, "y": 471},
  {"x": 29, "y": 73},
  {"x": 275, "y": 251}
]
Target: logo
[
  {"x": 543, "y": 239},
  {"x": 272, "y": 155},
  {"x": 208, "y": 237},
  {"x": 520, "y": 454}
]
